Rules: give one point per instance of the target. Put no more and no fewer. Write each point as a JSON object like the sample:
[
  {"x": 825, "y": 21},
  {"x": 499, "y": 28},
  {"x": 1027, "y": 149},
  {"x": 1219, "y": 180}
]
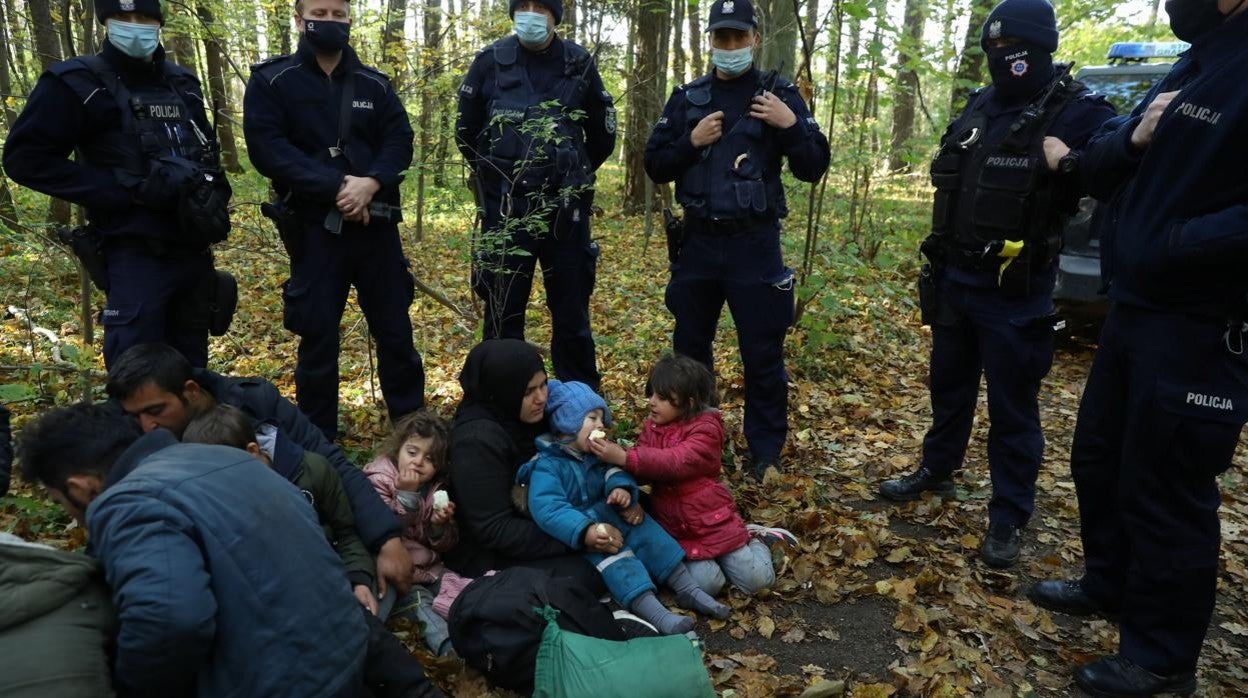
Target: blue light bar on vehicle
[{"x": 1140, "y": 50}]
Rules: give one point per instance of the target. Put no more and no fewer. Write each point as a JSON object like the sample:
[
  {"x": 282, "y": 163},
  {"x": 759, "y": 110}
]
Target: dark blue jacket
[
  {"x": 1078, "y": 121},
  {"x": 223, "y": 581},
  {"x": 291, "y": 116},
  {"x": 670, "y": 152},
  {"x": 57, "y": 119},
  {"x": 1177, "y": 233},
  {"x": 543, "y": 68},
  {"x": 262, "y": 402}
]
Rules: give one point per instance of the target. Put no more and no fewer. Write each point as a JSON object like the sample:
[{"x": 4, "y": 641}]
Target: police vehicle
[{"x": 1132, "y": 69}]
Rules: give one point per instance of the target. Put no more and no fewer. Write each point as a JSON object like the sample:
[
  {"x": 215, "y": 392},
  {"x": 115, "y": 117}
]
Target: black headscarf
[{"x": 494, "y": 379}]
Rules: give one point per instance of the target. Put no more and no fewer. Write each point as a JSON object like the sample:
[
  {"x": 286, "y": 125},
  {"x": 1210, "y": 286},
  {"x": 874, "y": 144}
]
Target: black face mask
[
  {"x": 325, "y": 36},
  {"x": 1019, "y": 71},
  {"x": 1192, "y": 19}
]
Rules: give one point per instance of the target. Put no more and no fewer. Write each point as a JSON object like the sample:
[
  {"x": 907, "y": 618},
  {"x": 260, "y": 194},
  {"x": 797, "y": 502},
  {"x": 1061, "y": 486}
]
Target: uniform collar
[
  {"x": 148, "y": 444},
  {"x": 1226, "y": 37},
  {"x": 556, "y": 45},
  {"x": 749, "y": 77}
]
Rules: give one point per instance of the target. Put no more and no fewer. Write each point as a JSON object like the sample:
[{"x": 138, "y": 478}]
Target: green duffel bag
[{"x": 576, "y": 666}]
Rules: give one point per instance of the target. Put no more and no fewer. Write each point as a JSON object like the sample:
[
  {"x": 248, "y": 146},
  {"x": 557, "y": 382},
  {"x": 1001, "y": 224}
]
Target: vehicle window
[{"x": 1123, "y": 91}]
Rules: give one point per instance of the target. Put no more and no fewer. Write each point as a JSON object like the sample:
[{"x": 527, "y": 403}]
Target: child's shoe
[{"x": 772, "y": 535}]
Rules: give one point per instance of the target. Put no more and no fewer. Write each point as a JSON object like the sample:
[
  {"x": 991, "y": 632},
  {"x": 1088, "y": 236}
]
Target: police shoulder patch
[
  {"x": 266, "y": 62},
  {"x": 467, "y": 90}
]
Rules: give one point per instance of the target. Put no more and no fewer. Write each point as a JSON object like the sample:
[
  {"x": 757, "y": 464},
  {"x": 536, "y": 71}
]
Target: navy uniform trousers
[
  {"x": 502, "y": 277},
  {"x": 1008, "y": 341},
  {"x": 320, "y": 279},
  {"x": 152, "y": 297},
  {"x": 1160, "y": 419},
  {"x": 745, "y": 270}
]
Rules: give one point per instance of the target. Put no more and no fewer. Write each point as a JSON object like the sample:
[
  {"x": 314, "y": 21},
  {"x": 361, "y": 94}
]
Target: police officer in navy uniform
[
  {"x": 723, "y": 139},
  {"x": 1167, "y": 396},
  {"x": 535, "y": 190},
  {"x": 137, "y": 122},
  {"x": 1005, "y": 183},
  {"x": 332, "y": 135}
]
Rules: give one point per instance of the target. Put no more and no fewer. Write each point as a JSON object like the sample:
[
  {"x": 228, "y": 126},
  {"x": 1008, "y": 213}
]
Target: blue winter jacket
[
  {"x": 222, "y": 578},
  {"x": 1177, "y": 238},
  {"x": 568, "y": 490}
]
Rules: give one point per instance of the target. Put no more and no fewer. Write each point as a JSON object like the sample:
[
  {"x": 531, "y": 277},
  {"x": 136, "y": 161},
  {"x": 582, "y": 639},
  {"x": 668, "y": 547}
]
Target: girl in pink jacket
[
  {"x": 408, "y": 476},
  {"x": 679, "y": 453}
]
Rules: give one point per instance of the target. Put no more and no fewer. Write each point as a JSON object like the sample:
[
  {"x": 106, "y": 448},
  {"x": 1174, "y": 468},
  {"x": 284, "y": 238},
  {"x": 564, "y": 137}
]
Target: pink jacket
[
  {"x": 418, "y": 536},
  {"x": 682, "y": 461}
]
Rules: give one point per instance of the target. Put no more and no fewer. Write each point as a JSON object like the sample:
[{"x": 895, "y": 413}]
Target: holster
[
  {"x": 929, "y": 295},
  {"x": 212, "y": 304},
  {"x": 287, "y": 225},
  {"x": 88, "y": 246},
  {"x": 674, "y": 230}
]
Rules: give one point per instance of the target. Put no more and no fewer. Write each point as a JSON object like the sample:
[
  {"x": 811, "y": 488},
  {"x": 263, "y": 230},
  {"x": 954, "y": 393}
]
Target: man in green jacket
[{"x": 56, "y": 623}]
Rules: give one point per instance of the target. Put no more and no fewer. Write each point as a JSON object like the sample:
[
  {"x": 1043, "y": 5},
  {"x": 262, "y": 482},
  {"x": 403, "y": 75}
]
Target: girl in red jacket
[{"x": 678, "y": 453}]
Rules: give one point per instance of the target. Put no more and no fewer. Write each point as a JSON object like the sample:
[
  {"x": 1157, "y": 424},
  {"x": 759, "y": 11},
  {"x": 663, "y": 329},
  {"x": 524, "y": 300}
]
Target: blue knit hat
[
  {"x": 555, "y": 7},
  {"x": 568, "y": 403},
  {"x": 1033, "y": 21}
]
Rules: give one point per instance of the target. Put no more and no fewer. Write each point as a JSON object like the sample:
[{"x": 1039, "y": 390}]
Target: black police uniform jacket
[
  {"x": 737, "y": 178},
  {"x": 71, "y": 109},
  {"x": 507, "y": 85},
  {"x": 1177, "y": 237},
  {"x": 291, "y": 117}
]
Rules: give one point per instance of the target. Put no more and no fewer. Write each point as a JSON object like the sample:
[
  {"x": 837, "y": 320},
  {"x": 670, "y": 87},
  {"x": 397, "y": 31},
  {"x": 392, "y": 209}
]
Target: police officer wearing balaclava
[
  {"x": 1167, "y": 396},
  {"x": 1005, "y": 179},
  {"x": 533, "y": 167},
  {"x": 723, "y": 139},
  {"x": 332, "y": 135},
  {"x": 146, "y": 172}
]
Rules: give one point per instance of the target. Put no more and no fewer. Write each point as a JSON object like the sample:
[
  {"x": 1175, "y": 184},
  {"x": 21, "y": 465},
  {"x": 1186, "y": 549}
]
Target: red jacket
[{"x": 681, "y": 460}]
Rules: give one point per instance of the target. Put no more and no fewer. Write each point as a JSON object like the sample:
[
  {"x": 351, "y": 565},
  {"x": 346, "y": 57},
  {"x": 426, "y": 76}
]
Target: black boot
[
  {"x": 1118, "y": 676},
  {"x": 914, "y": 485},
  {"x": 1001, "y": 545},
  {"x": 1066, "y": 596}
]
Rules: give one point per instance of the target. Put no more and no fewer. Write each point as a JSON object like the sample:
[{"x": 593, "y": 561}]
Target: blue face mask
[
  {"x": 134, "y": 40},
  {"x": 733, "y": 62},
  {"x": 531, "y": 28}
]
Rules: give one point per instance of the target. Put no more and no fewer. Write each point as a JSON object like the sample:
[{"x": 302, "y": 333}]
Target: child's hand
[
  {"x": 608, "y": 451},
  {"x": 619, "y": 498},
  {"x": 603, "y": 538},
  {"x": 443, "y": 515},
  {"x": 365, "y": 596},
  {"x": 408, "y": 480},
  {"x": 633, "y": 515}
]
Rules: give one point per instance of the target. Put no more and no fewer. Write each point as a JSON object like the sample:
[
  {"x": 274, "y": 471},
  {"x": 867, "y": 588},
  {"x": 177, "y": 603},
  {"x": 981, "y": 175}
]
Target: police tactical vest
[
  {"x": 730, "y": 182},
  {"x": 156, "y": 123},
  {"x": 992, "y": 193},
  {"x": 526, "y": 158}
]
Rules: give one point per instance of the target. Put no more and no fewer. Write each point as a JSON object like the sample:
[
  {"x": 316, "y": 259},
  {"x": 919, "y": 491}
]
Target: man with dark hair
[
  {"x": 334, "y": 138},
  {"x": 146, "y": 170},
  {"x": 184, "y": 532},
  {"x": 156, "y": 385}
]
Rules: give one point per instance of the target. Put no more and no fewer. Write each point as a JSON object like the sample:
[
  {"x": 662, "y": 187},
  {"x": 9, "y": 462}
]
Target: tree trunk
[
  {"x": 779, "y": 29},
  {"x": 644, "y": 102},
  {"x": 429, "y": 69},
  {"x": 569, "y": 19},
  {"x": 48, "y": 46},
  {"x": 696, "y": 65},
  {"x": 970, "y": 70},
  {"x": 392, "y": 41},
  {"x": 678, "y": 42},
  {"x": 6, "y": 82},
  {"x": 909, "y": 53},
  {"x": 214, "y": 50},
  {"x": 86, "y": 23}
]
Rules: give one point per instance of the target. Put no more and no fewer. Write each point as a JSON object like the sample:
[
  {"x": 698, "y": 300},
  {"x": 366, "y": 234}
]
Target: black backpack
[{"x": 495, "y": 627}]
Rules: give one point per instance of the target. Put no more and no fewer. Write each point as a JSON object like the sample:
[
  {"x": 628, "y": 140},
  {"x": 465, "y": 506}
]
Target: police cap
[
  {"x": 107, "y": 8},
  {"x": 732, "y": 14}
]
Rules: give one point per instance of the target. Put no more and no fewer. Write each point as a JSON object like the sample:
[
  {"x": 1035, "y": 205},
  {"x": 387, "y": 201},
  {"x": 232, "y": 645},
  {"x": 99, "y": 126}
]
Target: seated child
[
  {"x": 578, "y": 499},
  {"x": 227, "y": 425},
  {"x": 679, "y": 453},
  {"x": 408, "y": 476}
]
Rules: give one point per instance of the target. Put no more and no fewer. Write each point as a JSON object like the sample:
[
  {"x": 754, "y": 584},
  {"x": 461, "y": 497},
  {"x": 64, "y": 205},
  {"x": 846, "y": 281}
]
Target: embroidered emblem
[
  {"x": 609, "y": 121},
  {"x": 994, "y": 30},
  {"x": 467, "y": 90},
  {"x": 1019, "y": 68},
  {"x": 730, "y": 7},
  {"x": 127, "y": 5}
]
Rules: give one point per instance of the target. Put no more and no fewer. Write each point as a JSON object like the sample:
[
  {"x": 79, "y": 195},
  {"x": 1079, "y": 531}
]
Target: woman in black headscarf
[{"x": 502, "y": 412}]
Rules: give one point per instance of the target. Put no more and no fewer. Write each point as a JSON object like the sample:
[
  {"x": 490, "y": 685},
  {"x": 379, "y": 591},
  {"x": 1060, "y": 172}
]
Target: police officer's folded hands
[
  {"x": 1054, "y": 150},
  {"x": 354, "y": 196},
  {"x": 708, "y": 130},
  {"x": 772, "y": 111},
  {"x": 1142, "y": 136}
]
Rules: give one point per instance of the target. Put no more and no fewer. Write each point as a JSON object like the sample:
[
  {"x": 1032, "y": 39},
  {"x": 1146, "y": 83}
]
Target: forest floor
[{"x": 889, "y": 600}]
